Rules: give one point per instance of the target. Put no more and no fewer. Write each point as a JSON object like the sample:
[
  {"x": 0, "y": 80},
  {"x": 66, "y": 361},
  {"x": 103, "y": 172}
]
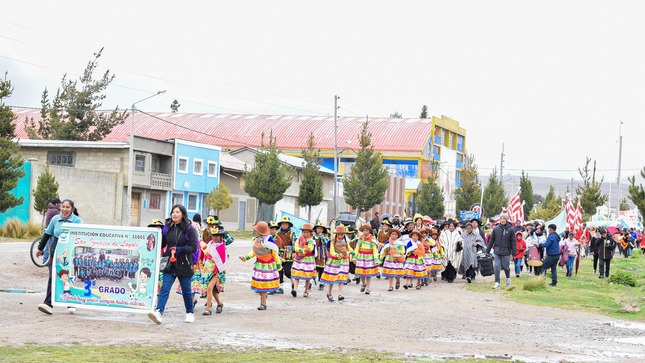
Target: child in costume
[
  {"x": 367, "y": 257},
  {"x": 427, "y": 256},
  {"x": 436, "y": 264},
  {"x": 415, "y": 268},
  {"x": 393, "y": 256},
  {"x": 337, "y": 266},
  {"x": 285, "y": 238},
  {"x": 213, "y": 268},
  {"x": 266, "y": 278},
  {"x": 351, "y": 240},
  {"x": 304, "y": 264},
  {"x": 322, "y": 250}
]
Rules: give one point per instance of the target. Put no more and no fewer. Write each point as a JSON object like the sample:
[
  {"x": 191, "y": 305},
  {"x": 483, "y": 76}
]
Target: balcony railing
[{"x": 160, "y": 181}]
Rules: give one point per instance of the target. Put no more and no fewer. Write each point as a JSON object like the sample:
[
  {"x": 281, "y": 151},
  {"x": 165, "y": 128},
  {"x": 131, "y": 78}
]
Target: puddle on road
[
  {"x": 20, "y": 291},
  {"x": 632, "y": 340}
]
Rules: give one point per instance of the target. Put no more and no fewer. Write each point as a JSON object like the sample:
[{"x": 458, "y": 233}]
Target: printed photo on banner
[{"x": 107, "y": 267}]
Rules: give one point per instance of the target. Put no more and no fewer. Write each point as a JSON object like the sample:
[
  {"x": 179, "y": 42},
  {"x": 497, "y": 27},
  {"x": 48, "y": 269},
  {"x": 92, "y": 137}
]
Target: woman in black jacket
[{"x": 179, "y": 242}]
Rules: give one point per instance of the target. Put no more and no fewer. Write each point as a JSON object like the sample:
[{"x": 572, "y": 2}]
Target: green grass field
[
  {"x": 585, "y": 291},
  {"x": 76, "y": 353}
]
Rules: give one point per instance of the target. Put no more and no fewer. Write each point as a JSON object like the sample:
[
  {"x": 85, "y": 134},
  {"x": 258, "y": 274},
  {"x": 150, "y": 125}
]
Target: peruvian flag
[
  {"x": 515, "y": 211},
  {"x": 571, "y": 214}
]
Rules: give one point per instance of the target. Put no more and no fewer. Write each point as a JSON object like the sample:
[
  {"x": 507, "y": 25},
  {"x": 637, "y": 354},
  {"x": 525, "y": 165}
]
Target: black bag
[
  {"x": 485, "y": 265},
  {"x": 164, "y": 264}
]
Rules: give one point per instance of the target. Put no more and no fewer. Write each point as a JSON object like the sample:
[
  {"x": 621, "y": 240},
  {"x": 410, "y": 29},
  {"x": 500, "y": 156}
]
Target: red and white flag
[
  {"x": 578, "y": 223},
  {"x": 515, "y": 212},
  {"x": 571, "y": 213}
]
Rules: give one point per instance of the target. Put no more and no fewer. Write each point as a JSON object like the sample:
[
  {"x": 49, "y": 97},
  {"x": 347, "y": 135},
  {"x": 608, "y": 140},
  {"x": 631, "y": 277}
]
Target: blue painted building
[
  {"x": 196, "y": 173},
  {"x": 20, "y": 212}
]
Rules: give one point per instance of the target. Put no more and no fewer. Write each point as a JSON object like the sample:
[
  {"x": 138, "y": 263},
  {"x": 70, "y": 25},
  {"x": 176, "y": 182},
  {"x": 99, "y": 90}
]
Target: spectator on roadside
[
  {"x": 606, "y": 246},
  {"x": 53, "y": 209},
  {"x": 376, "y": 223},
  {"x": 502, "y": 239},
  {"x": 552, "y": 248}
]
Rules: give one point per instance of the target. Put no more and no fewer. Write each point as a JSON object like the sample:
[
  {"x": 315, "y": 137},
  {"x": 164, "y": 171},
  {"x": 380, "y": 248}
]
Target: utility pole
[
  {"x": 336, "y": 156},
  {"x": 620, "y": 155},
  {"x": 501, "y": 165}
]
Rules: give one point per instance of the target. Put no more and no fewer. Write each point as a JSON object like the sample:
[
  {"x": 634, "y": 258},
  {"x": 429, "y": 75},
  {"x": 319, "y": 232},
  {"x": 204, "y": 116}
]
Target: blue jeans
[
  {"x": 518, "y": 266},
  {"x": 551, "y": 262},
  {"x": 167, "y": 281},
  {"x": 570, "y": 262},
  {"x": 502, "y": 262}
]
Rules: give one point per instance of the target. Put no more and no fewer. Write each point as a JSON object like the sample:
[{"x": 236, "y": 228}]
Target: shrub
[
  {"x": 534, "y": 283},
  {"x": 622, "y": 278},
  {"x": 13, "y": 228}
]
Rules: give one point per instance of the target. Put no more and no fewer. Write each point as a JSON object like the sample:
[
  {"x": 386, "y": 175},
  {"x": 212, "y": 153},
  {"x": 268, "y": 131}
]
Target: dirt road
[{"x": 443, "y": 320}]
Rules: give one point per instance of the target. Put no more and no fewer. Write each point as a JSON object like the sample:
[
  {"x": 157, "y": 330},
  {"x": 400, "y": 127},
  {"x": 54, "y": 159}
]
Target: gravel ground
[{"x": 442, "y": 320}]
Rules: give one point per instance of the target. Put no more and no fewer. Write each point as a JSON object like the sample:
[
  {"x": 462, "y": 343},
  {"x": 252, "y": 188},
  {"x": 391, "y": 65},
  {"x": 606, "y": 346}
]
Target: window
[
  {"x": 177, "y": 198},
  {"x": 154, "y": 165},
  {"x": 212, "y": 169},
  {"x": 444, "y": 137},
  {"x": 198, "y": 167},
  {"x": 460, "y": 143},
  {"x": 140, "y": 163},
  {"x": 458, "y": 179},
  {"x": 182, "y": 165},
  {"x": 66, "y": 158},
  {"x": 192, "y": 202},
  {"x": 155, "y": 201}
]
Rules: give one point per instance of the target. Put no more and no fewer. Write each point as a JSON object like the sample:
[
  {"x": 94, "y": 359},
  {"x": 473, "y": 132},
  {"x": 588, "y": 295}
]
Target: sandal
[
  {"x": 390, "y": 289},
  {"x": 262, "y": 307},
  {"x": 405, "y": 286},
  {"x": 294, "y": 293},
  {"x": 207, "y": 312},
  {"x": 305, "y": 294},
  {"x": 330, "y": 298},
  {"x": 363, "y": 288},
  {"x": 418, "y": 287},
  {"x": 367, "y": 292},
  {"x": 341, "y": 298},
  {"x": 398, "y": 284},
  {"x": 219, "y": 308}
]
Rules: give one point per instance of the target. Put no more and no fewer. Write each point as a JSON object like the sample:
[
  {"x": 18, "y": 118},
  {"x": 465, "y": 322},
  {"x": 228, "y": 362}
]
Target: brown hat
[
  {"x": 393, "y": 230},
  {"x": 366, "y": 226},
  {"x": 262, "y": 228},
  {"x": 416, "y": 231},
  {"x": 340, "y": 229},
  {"x": 307, "y": 227}
]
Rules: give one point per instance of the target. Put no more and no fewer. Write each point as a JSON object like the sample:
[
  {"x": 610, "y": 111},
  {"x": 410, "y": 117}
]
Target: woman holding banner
[
  {"x": 179, "y": 241},
  {"x": 53, "y": 232}
]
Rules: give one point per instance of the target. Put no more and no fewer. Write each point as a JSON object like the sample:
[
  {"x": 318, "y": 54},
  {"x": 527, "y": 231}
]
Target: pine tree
[
  {"x": 219, "y": 198},
  {"x": 46, "y": 190},
  {"x": 396, "y": 115},
  {"x": 494, "y": 196},
  {"x": 590, "y": 191},
  {"x": 424, "y": 112},
  {"x": 623, "y": 206},
  {"x": 174, "y": 106},
  {"x": 637, "y": 193},
  {"x": 526, "y": 193},
  {"x": 10, "y": 161},
  {"x": 74, "y": 112},
  {"x": 368, "y": 180},
  {"x": 549, "y": 208},
  {"x": 269, "y": 178},
  {"x": 470, "y": 191},
  {"x": 430, "y": 198},
  {"x": 311, "y": 187}
]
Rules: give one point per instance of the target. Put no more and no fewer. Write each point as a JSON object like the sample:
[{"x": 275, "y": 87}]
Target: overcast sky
[{"x": 549, "y": 79}]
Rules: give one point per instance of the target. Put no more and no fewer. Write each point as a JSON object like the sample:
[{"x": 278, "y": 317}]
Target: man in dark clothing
[
  {"x": 375, "y": 223},
  {"x": 594, "y": 246},
  {"x": 53, "y": 209},
  {"x": 503, "y": 240},
  {"x": 552, "y": 249},
  {"x": 606, "y": 246}
]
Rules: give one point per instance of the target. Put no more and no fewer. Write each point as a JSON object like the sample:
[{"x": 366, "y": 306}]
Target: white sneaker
[
  {"x": 71, "y": 309},
  {"x": 45, "y": 309},
  {"x": 190, "y": 318},
  {"x": 155, "y": 316},
  {"x": 496, "y": 286},
  {"x": 508, "y": 282}
]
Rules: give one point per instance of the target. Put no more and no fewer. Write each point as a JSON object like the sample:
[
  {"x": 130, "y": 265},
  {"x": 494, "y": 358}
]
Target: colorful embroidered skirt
[
  {"x": 207, "y": 275},
  {"x": 303, "y": 269},
  {"x": 195, "y": 282},
  {"x": 335, "y": 271},
  {"x": 415, "y": 268},
  {"x": 265, "y": 277},
  {"x": 392, "y": 268},
  {"x": 366, "y": 265}
]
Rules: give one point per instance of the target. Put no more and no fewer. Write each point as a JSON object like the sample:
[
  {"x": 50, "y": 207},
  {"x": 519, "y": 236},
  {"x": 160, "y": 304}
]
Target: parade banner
[{"x": 111, "y": 268}]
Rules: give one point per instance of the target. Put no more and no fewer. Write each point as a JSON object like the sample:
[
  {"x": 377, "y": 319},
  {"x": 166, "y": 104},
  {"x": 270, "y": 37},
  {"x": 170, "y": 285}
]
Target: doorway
[{"x": 134, "y": 209}]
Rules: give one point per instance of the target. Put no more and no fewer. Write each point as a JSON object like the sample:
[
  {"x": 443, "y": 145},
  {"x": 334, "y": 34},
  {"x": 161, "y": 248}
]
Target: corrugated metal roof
[
  {"x": 293, "y": 161},
  {"x": 228, "y": 161},
  {"x": 388, "y": 134},
  {"x": 73, "y": 144}
]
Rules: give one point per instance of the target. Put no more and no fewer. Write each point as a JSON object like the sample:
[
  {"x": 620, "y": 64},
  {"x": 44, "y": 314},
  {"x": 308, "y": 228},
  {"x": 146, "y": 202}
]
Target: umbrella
[{"x": 577, "y": 263}]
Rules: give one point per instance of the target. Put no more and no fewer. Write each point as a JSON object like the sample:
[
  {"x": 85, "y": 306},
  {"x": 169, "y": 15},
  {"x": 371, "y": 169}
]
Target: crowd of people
[{"x": 92, "y": 267}]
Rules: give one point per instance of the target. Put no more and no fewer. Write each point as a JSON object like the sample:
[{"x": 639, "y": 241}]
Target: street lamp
[{"x": 131, "y": 160}]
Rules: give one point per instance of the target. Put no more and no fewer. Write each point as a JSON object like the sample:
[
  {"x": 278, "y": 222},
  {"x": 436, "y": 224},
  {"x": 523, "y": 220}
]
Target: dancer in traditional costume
[
  {"x": 304, "y": 264},
  {"x": 322, "y": 250},
  {"x": 337, "y": 266},
  {"x": 266, "y": 278},
  {"x": 453, "y": 245},
  {"x": 415, "y": 268},
  {"x": 350, "y": 234},
  {"x": 427, "y": 255},
  {"x": 393, "y": 256},
  {"x": 285, "y": 239},
  {"x": 213, "y": 268},
  {"x": 367, "y": 257},
  {"x": 437, "y": 253},
  {"x": 384, "y": 233}
]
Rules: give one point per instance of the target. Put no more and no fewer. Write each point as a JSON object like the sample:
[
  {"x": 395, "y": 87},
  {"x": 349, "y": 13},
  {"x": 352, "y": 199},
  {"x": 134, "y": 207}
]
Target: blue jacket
[{"x": 552, "y": 244}]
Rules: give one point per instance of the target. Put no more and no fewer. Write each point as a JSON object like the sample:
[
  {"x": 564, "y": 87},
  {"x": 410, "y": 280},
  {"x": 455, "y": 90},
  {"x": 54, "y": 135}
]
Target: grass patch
[
  {"x": 14, "y": 229},
  {"x": 585, "y": 291},
  {"x": 241, "y": 234},
  {"x": 116, "y": 353}
]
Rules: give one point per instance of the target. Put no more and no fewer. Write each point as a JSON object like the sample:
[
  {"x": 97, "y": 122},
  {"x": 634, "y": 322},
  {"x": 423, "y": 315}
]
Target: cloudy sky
[{"x": 549, "y": 79}]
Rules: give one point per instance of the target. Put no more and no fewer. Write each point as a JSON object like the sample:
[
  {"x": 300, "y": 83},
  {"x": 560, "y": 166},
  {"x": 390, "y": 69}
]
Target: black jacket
[
  {"x": 175, "y": 236},
  {"x": 503, "y": 239},
  {"x": 606, "y": 247}
]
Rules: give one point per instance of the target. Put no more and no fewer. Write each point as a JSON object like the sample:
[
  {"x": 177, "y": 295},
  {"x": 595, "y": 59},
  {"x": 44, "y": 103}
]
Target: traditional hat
[
  {"x": 262, "y": 228},
  {"x": 340, "y": 229},
  {"x": 320, "y": 224},
  {"x": 428, "y": 219},
  {"x": 273, "y": 224},
  {"x": 417, "y": 216},
  {"x": 415, "y": 232},
  {"x": 214, "y": 231},
  {"x": 407, "y": 221},
  {"x": 350, "y": 230},
  {"x": 286, "y": 219},
  {"x": 479, "y": 222},
  {"x": 156, "y": 223},
  {"x": 366, "y": 226},
  {"x": 424, "y": 230},
  {"x": 386, "y": 222},
  {"x": 393, "y": 230},
  {"x": 307, "y": 227},
  {"x": 212, "y": 220},
  {"x": 433, "y": 232}
]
